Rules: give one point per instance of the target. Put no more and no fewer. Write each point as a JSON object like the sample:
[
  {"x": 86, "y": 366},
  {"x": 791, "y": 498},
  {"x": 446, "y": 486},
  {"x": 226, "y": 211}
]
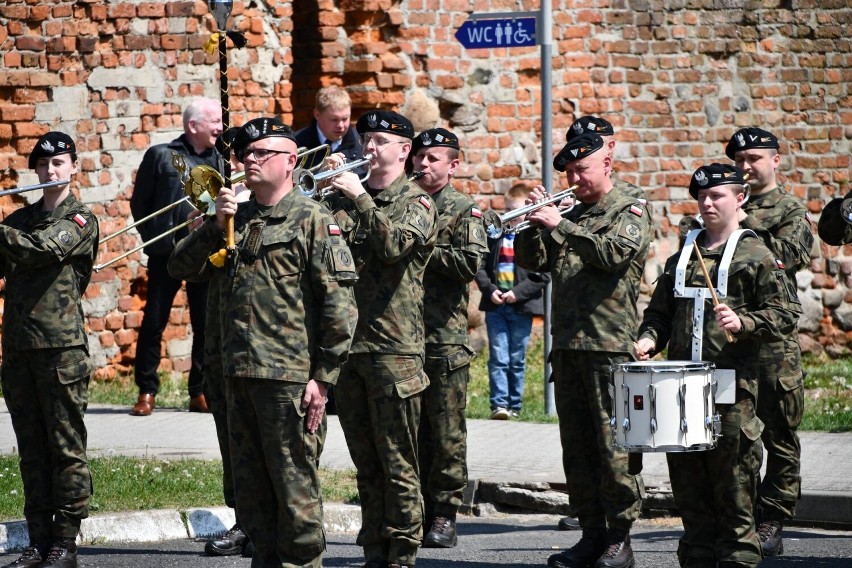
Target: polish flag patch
[
  {"x": 334, "y": 230},
  {"x": 80, "y": 220},
  {"x": 779, "y": 263},
  {"x": 425, "y": 203},
  {"x": 476, "y": 213},
  {"x": 636, "y": 210}
]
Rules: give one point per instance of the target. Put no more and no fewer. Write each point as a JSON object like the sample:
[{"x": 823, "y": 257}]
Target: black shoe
[
  {"x": 229, "y": 544},
  {"x": 62, "y": 554},
  {"x": 769, "y": 533},
  {"x": 569, "y": 524},
  {"x": 618, "y": 553},
  {"x": 591, "y": 545},
  {"x": 442, "y": 534},
  {"x": 29, "y": 558},
  {"x": 248, "y": 548}
]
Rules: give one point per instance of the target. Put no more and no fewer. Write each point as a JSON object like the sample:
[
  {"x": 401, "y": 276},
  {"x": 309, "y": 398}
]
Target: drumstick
[{"x": 728, "y": 335}]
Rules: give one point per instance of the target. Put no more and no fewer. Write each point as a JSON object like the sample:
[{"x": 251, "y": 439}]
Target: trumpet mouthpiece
[{"x": 416, "y": 175}]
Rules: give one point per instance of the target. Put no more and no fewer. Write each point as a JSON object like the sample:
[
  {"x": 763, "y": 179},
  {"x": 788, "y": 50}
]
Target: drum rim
[{"x": 665, "y": 366}]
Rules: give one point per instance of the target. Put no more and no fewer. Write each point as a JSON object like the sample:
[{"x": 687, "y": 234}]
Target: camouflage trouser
[
  {"x": 780, "y": 403},
  {"x": 603, "y": 492},
  {"x": 378, "y": 404},
  {"x": 714, "y": 491},
  {"x": 275, "y": 462},
  {"x": 214, "y": 390},
  {"x": 442, "y": 440},
  {"x": 47, "y": 391}
]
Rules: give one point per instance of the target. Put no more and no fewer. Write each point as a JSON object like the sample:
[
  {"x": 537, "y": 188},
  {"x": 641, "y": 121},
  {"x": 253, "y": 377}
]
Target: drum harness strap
[{"x": 701, "y": 294}]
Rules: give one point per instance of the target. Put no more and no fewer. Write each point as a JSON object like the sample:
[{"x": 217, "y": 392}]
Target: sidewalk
[{"x": 497, "y": 452}]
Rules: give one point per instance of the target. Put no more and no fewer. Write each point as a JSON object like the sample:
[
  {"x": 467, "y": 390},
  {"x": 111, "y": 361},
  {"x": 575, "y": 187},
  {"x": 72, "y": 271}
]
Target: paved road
[{"x": 513, "y": 542}]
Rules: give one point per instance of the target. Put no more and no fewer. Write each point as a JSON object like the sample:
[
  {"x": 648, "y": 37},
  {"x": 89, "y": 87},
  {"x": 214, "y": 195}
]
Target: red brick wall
[{"x": 676, "y": 81}]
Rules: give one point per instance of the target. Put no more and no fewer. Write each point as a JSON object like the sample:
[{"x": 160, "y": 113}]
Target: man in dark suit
[{"x": 331, "y": 125}]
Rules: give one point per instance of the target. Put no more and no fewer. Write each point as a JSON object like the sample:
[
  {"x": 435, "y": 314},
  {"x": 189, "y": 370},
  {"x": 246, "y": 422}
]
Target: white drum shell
[{"x": 664, "y": 406}]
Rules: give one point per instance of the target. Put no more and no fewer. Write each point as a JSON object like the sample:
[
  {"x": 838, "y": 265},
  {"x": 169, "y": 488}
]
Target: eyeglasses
[
  {"x": 379, "y": 141},
  {"x": 261, "y": 155}
]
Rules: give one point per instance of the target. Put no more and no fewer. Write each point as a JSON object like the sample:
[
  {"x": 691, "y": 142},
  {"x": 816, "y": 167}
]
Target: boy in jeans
[{"x": 511, "y": 296}]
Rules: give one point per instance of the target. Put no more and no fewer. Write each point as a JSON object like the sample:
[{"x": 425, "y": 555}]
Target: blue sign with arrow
[{"x": 481, "y": 33}]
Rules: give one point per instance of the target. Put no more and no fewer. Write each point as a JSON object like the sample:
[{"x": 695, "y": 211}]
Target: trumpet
[
  {"x": 496, "y": 225},
  {"x": 309, "y": 181},
  {"x": 33, "y": 187}
]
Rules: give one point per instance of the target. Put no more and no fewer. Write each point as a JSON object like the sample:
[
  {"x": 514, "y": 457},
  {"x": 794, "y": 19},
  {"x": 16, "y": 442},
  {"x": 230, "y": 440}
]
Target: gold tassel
[{"x": 211, "y": 44}]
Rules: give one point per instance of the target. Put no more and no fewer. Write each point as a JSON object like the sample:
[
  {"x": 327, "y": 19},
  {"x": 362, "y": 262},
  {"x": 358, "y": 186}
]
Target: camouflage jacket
[
  {"x": 288, "y": 312},
  {"x": 458, "y": 253},
  {"x": 596, "y": 256},
  {"x": 628, "y": 188},
  {"x": 47, "y": 258},
  {"x": 391, "y": 236},
  {"x": 783, "y": 224},
  {"x": 758, "y": 291},
  {"x": 832, "y": 227}
]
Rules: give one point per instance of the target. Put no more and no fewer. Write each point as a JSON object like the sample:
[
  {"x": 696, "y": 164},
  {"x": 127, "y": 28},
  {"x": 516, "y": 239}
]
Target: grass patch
[
  {"x": 123, "y": 391},
  {"x": 828, "y": 390},
  {"x": 133, "y": 484}
]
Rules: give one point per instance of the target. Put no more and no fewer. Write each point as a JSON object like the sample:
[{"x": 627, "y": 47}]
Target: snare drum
[{"x": 664, "y": 406}]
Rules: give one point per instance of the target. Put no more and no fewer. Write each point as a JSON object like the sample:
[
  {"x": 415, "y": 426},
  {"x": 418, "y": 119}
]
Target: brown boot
[
  {"x": 198, "y": 404},
  {"x": 618, "y": 553},
  {"x": 442, "y": 534},
  {"x": 144, "y": 405},
  {"x": 769, "y": 533},
  {"x": 588, "y": 549},
  {"x": 62, "y": 554}
]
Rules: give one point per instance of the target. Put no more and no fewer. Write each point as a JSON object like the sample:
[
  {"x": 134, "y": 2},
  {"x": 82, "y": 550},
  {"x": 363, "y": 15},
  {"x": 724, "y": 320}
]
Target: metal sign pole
[{"x": 545, "y": 33}]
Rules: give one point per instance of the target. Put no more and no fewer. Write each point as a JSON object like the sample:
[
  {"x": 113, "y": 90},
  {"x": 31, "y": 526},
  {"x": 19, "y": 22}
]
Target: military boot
[
  {"x": 618, "y": 553},
  {"x": 229, "y": 544},
  {"x": 583, "y": 554},
  {"x": 442, "y": 534},
  {"x": 62, "y": 554},
  {"x": 769, "y": 533},
  {"x": 32, "y": 556}
]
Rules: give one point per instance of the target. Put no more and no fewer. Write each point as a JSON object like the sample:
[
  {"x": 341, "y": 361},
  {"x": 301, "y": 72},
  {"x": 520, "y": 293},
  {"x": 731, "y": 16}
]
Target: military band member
[
  {"x": 390, "y": 225},
  {"x": 783, "y": 224},
  {"x": 460, "y": 246},
  {"x": 714, "y": 489},
  {"x": 603, "y": 128},
  {"x": 596, "y": 255},
  {"x": 47, "y": 250},
  {"x": 286, "y": 327}
]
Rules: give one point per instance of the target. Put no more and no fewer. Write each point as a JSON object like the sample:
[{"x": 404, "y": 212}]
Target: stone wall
[{"x": 676, "y": 77}]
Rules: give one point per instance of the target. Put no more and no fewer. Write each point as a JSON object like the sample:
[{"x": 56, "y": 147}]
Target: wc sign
[{"x": 479, "y": 32}]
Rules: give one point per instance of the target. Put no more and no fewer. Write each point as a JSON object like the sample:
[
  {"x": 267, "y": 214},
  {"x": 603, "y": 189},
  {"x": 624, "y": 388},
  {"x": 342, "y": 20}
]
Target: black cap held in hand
[
  {"x": 577, "y": 149},
  {"x": 385, "y": 121},
  {"x": 52, "y": 144},
  {"x": 714, "y": 175}
]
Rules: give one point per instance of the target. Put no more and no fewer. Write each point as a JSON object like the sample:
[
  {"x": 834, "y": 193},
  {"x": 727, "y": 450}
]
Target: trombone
[
  {"x": 309, "y": 181},
  {"x": 33, "y": 187},
  {"x": 496, "y": 225},
  {"x": 302, "y": 155}
]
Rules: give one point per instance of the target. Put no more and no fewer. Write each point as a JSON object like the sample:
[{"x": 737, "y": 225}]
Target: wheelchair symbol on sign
[{"x": 505, "y": 35}]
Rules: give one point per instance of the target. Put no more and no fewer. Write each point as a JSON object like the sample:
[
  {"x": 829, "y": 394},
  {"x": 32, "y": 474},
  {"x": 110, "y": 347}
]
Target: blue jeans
[{"x": 508, "y": 336}]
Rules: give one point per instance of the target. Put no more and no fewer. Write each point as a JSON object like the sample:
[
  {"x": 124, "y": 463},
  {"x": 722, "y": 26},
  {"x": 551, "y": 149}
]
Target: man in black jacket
[
  {"x": 511, "y": 296},
  {"x": 157, "y": 185},
  {"x": 331, "y": 125}
]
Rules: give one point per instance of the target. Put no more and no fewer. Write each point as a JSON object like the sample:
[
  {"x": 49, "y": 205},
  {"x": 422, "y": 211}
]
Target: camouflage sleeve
[
  {"x": 777, "y": 307},
  {"x": 792, "y": 240},
  {"x": 531, "y": 251},
  {"x": 657, "y": 319},
  {"x": 394, "y": 239},
  {"x": 332, "y": 277},
  {"x": 51, "y": 244},
  {"x": 188, "y": 260},
  {"x": 832, "y": 227},
  {"x": 628, "y": 234},
  {"x": 461, "y": 258}
]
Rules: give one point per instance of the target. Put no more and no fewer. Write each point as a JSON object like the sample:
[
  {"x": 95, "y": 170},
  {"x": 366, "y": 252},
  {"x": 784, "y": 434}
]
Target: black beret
[
  {"x": 587, "y": 124},
  {"x": 706, "y": 177},
  {"x": 748, "y": 138},
  {"x": 52, "y": 144},
  {"x": 385, "y": 121},
  {"x": 577, "y": 149},
  {"x": 258, "y": 129},
  {"x": 433, "y": 138}
]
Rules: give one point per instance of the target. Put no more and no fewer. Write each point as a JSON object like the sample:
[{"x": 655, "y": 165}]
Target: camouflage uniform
[
  {"x": 832, "y": 227},
  {"x": 47, "y": 258},
  {"x": 714, "y": 490},
  {"x": 442, "y": 440},
  {"x": 596, "y": 258},
  {"x": 391, "y": 235},
  {"x": 782, "y": 223},
  {"x": 287, "y": 317}
]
